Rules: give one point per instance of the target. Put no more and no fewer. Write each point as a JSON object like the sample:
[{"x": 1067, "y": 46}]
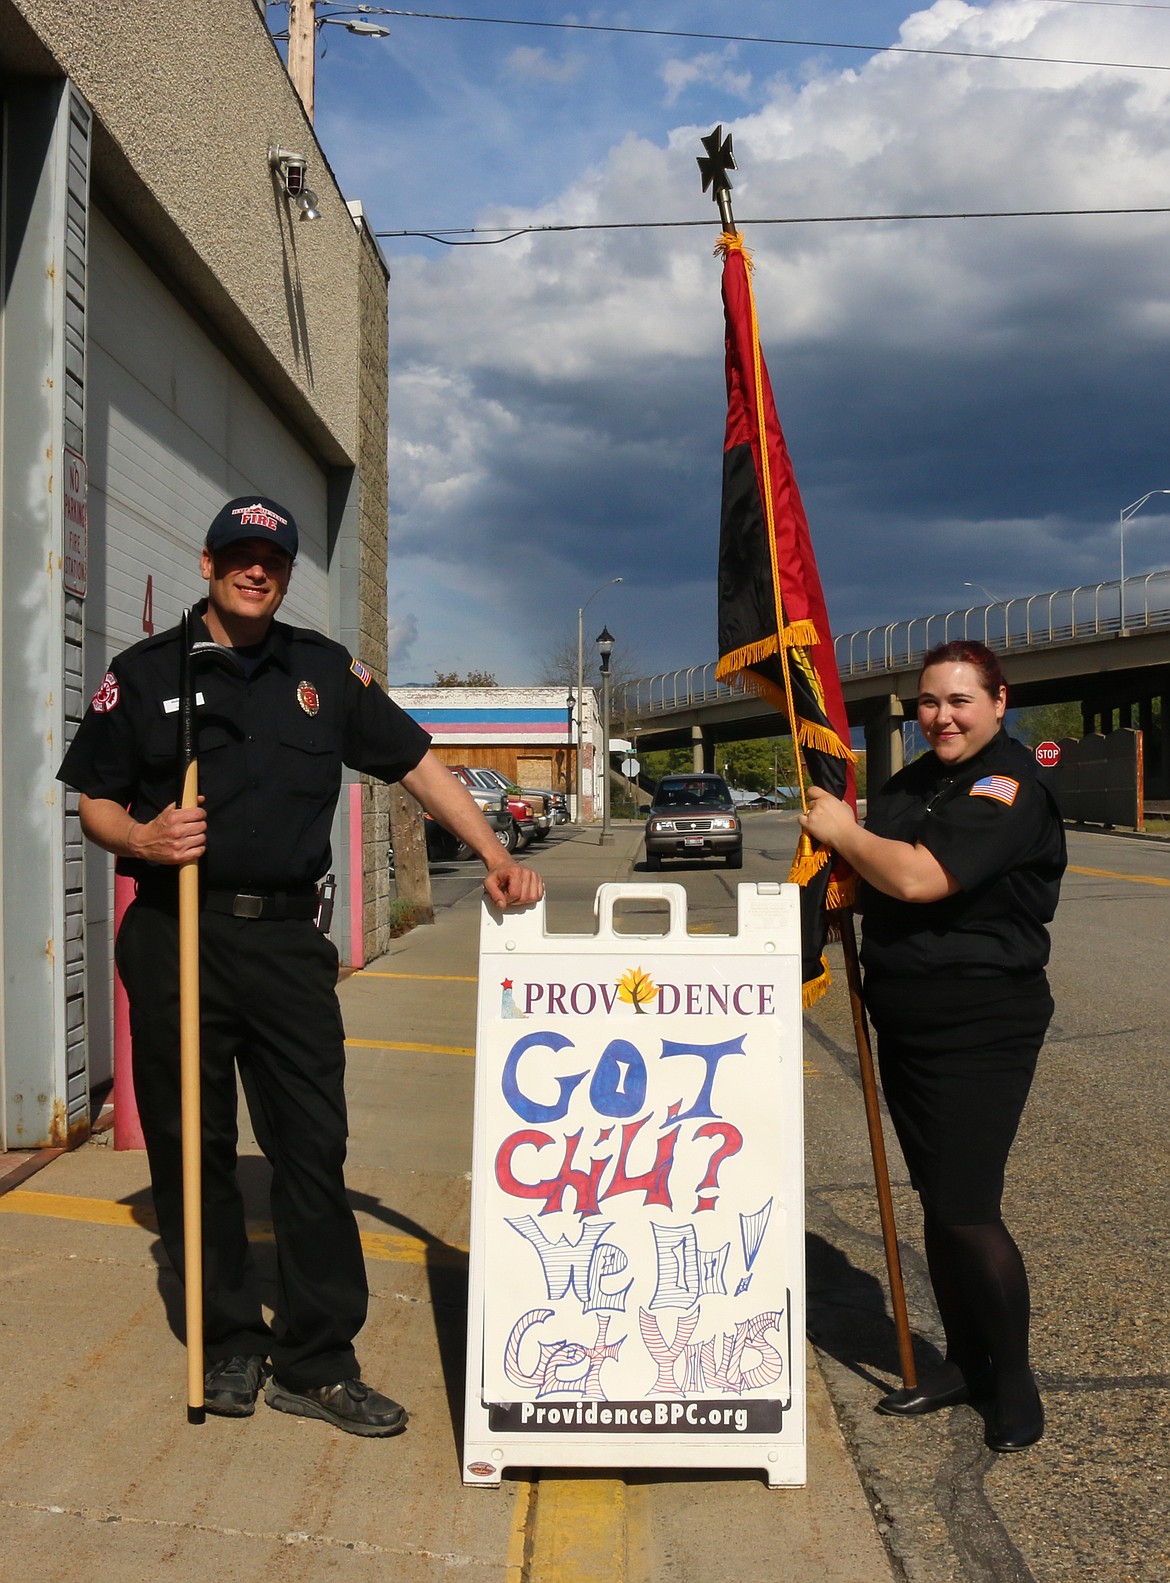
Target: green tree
[
  {"x": 756, "y": 764},
  {"x": 665, "y": 761},
  {"x": 472, "y": 679},
  {"x": 1047, "y": 723}
]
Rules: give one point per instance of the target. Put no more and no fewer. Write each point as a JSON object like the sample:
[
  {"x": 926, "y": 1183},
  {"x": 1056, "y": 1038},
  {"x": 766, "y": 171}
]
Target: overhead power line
[
  {"x": 491, "y": 236},
  {"x": 754, "y": 38}
]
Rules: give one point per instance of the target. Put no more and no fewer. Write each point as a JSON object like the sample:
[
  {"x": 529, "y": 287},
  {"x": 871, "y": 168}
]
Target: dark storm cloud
[{"x": 965, "y": 402}]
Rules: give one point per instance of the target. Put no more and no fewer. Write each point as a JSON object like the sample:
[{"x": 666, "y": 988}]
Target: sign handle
[{"x": 675, "y": 896}]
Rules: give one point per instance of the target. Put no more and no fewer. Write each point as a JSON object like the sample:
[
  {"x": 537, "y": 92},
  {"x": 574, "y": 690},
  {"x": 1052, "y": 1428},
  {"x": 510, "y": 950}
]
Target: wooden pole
[
  {"x": 189, "y": 1063},
  {"x": 877, "y": 1147},
  {"x": 302, "y": 45}
]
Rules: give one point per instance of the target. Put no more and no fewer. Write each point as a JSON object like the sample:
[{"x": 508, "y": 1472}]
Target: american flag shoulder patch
[
  {"x": 361, "y": 672},
  {"x": 1001, "y": 787}
]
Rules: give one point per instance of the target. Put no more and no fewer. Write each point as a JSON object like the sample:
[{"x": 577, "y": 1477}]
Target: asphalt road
[{"x": 1087, "y": 1200}]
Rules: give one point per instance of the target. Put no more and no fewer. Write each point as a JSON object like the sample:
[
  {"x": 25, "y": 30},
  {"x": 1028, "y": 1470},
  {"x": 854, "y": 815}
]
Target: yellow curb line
[
  {"x": 518, "y": 1538},
  {"x": 579, "y": 1531},
  {"x": 384, "y": 1246}
]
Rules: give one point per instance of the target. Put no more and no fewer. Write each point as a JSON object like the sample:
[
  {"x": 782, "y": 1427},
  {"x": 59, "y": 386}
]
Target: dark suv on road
[{"x": 693, "y": 816}]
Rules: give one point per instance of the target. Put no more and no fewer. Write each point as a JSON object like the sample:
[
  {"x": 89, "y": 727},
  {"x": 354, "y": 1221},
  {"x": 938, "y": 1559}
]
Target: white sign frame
[{"x": 636, "y": 1292}]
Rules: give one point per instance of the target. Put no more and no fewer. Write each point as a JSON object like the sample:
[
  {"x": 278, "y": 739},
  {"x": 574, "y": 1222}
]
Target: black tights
[{"x": 981, "y": 1288}]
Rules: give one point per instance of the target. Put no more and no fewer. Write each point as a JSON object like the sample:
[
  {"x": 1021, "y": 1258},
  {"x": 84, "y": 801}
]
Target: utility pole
[{"x": 302, "y": 48}]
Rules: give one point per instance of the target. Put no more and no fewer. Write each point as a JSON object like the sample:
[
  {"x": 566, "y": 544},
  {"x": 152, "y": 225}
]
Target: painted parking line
[
  {"x": 395, "y": 1044},
  {"x": 1108, "y": 873},
  {"x": 436, "y": 978},
  {"x": 389, "y": 1247}
]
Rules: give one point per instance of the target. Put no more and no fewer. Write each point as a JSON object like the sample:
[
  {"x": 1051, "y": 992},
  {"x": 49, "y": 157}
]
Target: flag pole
[
  {"x": 877, "y": 1149},
  {"x": 189, "y": 1051},
  {"x": 714, "y": 168}
]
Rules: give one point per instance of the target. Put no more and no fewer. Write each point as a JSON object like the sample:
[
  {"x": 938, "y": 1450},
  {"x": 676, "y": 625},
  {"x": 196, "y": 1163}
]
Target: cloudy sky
[{"x": 966, "y": 401}]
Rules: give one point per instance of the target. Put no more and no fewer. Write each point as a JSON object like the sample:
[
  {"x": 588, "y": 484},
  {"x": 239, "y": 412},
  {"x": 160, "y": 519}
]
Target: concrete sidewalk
[{"x": 104, "y": 1479}]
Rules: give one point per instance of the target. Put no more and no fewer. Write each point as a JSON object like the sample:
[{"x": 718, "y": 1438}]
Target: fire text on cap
[{"x": 258, "y": 516}]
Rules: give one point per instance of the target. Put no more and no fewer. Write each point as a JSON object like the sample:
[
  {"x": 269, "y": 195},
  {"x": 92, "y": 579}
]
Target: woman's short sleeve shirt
[{"x": 994, "y": 826}]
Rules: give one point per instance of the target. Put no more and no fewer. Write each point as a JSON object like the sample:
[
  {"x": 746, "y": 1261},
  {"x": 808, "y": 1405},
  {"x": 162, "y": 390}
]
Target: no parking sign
[{"x": 637, "y": 1232}]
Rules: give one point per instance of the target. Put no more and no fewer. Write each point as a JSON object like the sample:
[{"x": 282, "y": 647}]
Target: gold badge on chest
[{"x": 308, "y": 698}]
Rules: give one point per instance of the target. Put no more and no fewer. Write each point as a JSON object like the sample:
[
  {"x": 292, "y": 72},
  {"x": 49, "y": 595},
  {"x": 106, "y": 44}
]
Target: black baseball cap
[{"x": 253, "y": 517}]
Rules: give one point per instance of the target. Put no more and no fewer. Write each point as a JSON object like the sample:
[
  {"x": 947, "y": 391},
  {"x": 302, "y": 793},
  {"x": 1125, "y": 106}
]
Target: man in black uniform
[{"x": 274, "y": 727}]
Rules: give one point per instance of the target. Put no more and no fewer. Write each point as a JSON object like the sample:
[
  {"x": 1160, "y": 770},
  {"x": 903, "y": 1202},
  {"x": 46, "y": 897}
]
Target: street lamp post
[
  {"x": 580, "y": 698},
  {"x": 605, "y": 649},
  {"x": 570, "y": 704},
  {"x": 1123, "y": 517}
]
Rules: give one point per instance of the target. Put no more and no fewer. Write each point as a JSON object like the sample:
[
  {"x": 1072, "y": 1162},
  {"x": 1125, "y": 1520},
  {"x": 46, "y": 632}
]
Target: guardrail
[{"x": 1092, "y": 610}]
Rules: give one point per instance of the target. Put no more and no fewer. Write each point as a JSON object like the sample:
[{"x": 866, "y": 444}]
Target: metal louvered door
[{"x": 173, "y": 430}]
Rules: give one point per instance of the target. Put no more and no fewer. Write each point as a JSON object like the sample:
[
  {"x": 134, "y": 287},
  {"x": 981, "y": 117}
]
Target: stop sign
[{"x": 1048, "y": 755}]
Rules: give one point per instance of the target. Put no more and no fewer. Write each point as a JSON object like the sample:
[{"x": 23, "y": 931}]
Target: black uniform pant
[
  {"x": 268, "y": 1008},
  {"x": 957, "y": 1059}
]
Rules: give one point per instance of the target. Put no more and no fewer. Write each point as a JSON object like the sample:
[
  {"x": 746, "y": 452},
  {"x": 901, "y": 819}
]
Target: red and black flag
[{"x": 774, "y": 635}]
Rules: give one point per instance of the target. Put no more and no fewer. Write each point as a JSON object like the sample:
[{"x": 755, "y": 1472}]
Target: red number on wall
[{"x": 148, "y": 609}]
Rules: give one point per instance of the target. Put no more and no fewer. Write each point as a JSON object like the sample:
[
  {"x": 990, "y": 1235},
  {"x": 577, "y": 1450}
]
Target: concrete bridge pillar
[
  {"x": 702, "y": 749},
  {"x": 883, "y": 742}
]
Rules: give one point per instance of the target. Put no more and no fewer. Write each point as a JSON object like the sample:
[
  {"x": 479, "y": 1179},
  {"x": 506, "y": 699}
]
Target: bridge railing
[{"x": 1031, "y": 620}]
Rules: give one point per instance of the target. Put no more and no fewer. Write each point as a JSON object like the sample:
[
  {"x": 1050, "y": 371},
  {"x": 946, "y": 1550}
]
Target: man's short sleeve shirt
[{"x": 271, "y": 747}]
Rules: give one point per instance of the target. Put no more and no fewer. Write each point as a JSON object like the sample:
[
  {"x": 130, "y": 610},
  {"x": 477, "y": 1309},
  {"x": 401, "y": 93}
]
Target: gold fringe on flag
[
  {"x": 824, "y": 739},
  {"x": 730, "y": 665},
  {"x": 812, "y": 991},
  {"x": 732, "y": 242},
  {"x": 809, "y": 860},
  {"x": 840, "y": 894}
]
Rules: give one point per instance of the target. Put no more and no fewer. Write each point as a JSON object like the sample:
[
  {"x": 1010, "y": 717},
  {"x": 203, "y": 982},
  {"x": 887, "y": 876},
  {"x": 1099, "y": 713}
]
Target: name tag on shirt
[{"x": 171, "y": 705}]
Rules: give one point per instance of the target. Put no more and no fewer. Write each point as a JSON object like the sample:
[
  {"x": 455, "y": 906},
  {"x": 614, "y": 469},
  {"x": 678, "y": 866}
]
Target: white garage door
[{"x": 173, "y": 430}]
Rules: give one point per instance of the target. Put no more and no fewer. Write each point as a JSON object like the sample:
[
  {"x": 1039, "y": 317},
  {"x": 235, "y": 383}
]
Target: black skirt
[{"x": 957, "y": 1058}]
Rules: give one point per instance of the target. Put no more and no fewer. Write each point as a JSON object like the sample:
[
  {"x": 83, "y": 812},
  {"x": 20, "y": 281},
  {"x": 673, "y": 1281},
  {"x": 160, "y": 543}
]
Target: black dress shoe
[
  {"x": 231, "y": 1385},
  {"x": 351, "y": 1405},
  {"x": 913, "y": 1403},
  {"x": 1003, "y": 1435}
]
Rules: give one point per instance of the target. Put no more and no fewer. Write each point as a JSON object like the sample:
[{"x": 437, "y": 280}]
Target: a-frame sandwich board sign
[{"x": 637, "y": 1229}]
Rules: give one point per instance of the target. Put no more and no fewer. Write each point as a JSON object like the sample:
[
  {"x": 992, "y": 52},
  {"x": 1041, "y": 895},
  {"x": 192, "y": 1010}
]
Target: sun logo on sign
[{"x": 636, "y": 986}]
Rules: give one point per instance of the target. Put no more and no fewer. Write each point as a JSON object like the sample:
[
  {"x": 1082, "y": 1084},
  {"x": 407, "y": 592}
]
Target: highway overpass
[{"x": 1085, "y": 645}]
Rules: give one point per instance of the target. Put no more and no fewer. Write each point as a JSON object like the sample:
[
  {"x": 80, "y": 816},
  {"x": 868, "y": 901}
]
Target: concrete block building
[{"x": 174, "y": 333}]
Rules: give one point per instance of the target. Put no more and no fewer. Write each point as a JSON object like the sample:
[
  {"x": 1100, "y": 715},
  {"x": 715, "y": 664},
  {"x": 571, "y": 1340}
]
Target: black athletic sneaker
[
  {"x": 350, "y": 1405},
  {"x": 231, "y": 1385}
]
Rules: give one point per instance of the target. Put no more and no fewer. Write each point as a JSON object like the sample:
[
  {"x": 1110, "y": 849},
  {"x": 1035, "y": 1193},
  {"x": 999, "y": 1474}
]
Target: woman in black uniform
[{"x": 960, "y": 861}]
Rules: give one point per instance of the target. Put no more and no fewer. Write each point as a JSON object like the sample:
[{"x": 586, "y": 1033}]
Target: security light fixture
[{"x": 292, "y": 171}]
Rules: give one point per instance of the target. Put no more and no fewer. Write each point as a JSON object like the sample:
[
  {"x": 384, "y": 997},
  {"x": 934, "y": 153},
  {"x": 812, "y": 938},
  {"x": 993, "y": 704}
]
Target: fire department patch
[
  {"x": 307, "y": 697},
  {"x": 107, "y": 695},
  {"x": 361, "y": 673}
]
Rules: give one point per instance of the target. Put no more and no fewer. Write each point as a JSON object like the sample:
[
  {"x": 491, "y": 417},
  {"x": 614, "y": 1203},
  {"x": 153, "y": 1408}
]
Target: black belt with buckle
[{"x": 270, "y": 905}]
